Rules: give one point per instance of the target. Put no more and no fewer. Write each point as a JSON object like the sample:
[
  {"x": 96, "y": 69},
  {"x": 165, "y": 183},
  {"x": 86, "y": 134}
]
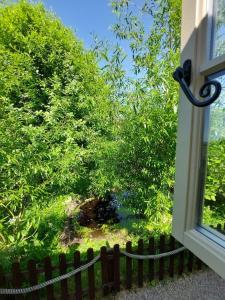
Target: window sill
[{"x": 210, "y": 252}]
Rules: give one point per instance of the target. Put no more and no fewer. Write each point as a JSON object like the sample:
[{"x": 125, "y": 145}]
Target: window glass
[
  {"x": 213, "y": 164},
  {"x": 218, "y": 45}
]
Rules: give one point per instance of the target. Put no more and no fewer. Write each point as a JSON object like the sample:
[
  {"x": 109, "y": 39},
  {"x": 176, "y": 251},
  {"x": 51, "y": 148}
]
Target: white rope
[
  {"x": 82, "y": 268},
  {"x": 46, "y": 283},
  {"x": 153, "y": 256}
]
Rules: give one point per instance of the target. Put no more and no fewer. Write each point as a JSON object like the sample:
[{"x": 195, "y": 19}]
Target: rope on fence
[
  {"x": 153, "y": 256},
  {"x": 82, "y": 268},
  {"x": 49, "y": 282}
]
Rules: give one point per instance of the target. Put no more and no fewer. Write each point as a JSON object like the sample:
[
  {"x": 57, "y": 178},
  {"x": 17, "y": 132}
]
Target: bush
[{"x": 54, "y": 110}]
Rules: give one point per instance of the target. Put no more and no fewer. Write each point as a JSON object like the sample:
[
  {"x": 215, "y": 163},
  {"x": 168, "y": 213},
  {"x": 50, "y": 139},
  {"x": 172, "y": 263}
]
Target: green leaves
[
  {"x": 146, "y": 120},
  {"x": 215, "y": 181},
  {"x": 68, "y": 127},
  {"x": 54, "y": 107}
]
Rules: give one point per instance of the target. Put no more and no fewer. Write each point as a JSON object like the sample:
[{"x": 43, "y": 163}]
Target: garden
[{"x": 87, "y": 151}]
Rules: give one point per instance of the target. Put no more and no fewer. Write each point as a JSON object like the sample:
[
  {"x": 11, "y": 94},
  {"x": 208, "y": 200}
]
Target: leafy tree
[
  {"x": 54, "y": 110},
  {"x": 147, "y": 117},
  {"x": 215, "y": 180}
]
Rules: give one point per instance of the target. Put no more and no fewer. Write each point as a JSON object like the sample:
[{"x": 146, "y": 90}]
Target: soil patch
[{"x": 96, "y": 211}]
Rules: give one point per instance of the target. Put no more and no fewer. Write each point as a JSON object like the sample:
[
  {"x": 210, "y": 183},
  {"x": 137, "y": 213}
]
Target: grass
[
  {"x": 52, "y": 225},
  {"x": 52, "y": 222},
  {"x": 130, "y": 228}
]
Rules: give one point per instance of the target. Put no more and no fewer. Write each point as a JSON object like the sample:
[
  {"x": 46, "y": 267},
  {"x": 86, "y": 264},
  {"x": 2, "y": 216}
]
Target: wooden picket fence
[{"x": 111, "y": 273}]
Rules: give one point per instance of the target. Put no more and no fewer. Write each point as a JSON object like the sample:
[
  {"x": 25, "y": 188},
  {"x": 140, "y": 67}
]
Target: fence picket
[
  {"x": 2, "y": 280},
  {"x": 62, "y": 270},
  {"x": 171, "y": 258},
  {"x": 33, "y": 278},
  {"x": 181, "y": 263},
  {"x": 219, "y": 227},
  {"x": 17, "y": 279},
  {"x": 48, "y": 276},
  {"x": 116, "y": 257},
  {"x": 140, "y": 263},
  {"x": 110, "y": 270},
  {"x": 161, "y": 260},
  {"x": 151, "y": 264},
  {"x": 128, "y": 266},
  {"x": 190, "y": 261},
  {"x": 77, "y": 278},
  {"x": 198, "y": 263},
  {"x": 91, "y": 275},
  {"x": 104, "y": 267}
]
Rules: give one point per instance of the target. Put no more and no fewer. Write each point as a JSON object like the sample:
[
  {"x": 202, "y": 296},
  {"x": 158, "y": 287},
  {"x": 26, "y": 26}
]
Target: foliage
[
  {"x": 74, "y": 122},
  {"x": 219, "y": 44},
  {"x": 146, "y": 121},
  {"x": 34, "y": 233},
  {"x": 54, "y": 110},
  {"x": 215, "y": 181},
  {"x": 214, "y": 193}
]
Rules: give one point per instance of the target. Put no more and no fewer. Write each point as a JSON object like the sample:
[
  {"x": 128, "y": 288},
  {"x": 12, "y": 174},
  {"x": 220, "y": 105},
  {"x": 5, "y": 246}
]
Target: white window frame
[{"x": 195, "y": 45}]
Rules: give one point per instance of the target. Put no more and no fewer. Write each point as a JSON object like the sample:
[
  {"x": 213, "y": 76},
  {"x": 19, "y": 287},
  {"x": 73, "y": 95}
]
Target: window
[{"x": 200, "y": 157}]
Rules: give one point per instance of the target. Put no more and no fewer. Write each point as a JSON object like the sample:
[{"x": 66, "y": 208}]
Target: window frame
[{"x": 196, "y": 33}]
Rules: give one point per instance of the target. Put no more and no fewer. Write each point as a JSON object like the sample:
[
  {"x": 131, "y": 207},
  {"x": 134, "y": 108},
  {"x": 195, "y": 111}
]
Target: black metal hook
[{"x": 183, "y": 76}]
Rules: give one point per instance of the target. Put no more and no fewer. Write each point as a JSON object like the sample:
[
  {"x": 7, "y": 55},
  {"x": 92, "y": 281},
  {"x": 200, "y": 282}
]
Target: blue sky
[
  {"x": 93, "y": 16},
  {"x": 85, "y": 16}
]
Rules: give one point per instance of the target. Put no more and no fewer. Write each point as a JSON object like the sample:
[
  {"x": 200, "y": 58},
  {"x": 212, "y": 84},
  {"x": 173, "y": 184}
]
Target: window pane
[
  {"x": 219, "y": 28},
  {"x": 213, "y": 164}
]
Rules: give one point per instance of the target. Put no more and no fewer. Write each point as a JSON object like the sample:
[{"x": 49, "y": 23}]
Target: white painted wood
[
  {"x": 196, "y": 34},
  {"x": 184, "y": 170},
  {"x": 213, "y": 66},
  {"x": 208, "y": 251}
]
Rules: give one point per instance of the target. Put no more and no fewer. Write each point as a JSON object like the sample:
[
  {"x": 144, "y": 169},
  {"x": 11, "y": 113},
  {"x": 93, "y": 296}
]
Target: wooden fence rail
[{"x": 110, "y": 274}]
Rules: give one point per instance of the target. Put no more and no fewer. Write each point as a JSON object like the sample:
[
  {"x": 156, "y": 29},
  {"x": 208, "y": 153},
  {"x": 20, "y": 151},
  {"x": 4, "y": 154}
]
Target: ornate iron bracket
[{"x": 183, "y": 76}]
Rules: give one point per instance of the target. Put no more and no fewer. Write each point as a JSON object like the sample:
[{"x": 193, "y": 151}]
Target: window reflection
[
  {"x": 213, "y": 209},
  {"x": 219, "y": 28}
]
